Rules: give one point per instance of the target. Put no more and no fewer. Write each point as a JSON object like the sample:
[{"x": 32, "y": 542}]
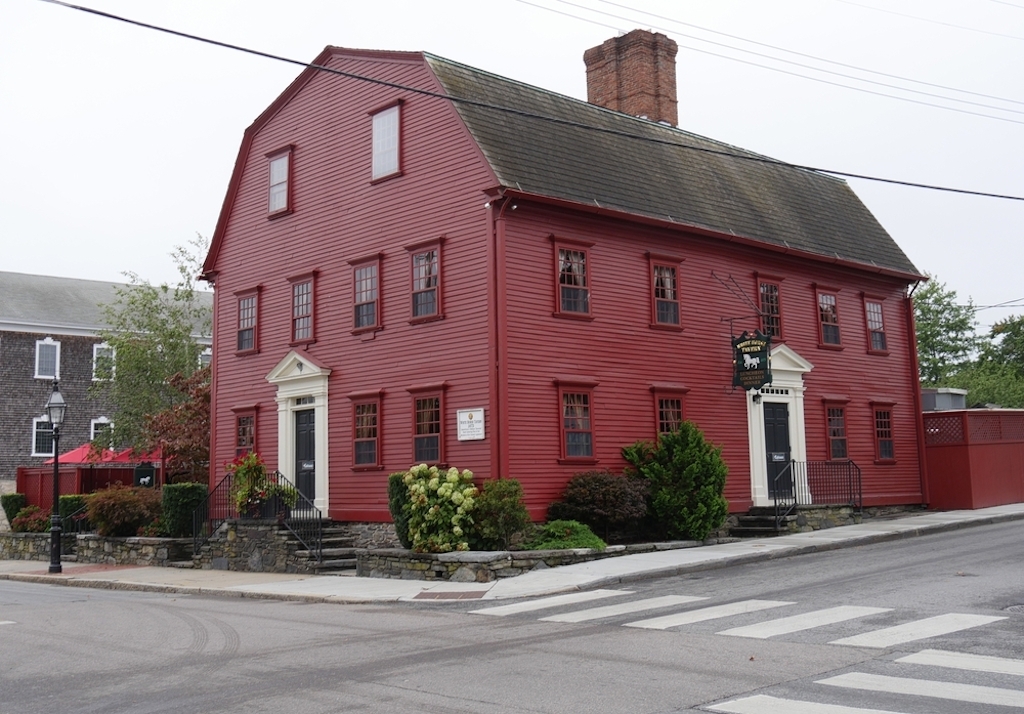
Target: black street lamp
[{"x": 55, "y": 409}]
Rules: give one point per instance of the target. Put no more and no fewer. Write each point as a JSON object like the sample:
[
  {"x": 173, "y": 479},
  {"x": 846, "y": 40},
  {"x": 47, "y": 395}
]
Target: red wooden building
[{"x": 418, "y": 261}]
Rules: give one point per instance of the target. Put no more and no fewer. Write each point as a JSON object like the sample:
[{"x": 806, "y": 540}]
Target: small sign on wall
[{"x": 471, "y": 424}]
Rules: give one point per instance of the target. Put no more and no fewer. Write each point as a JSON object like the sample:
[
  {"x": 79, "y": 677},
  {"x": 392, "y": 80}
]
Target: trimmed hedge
[
  {"x": 121, "y": 512},
  {"x": 179, "y": 501},
  {"x": 12, "y": 503},
  {"x": 612, "y": 505},
  {"x": 398, "y": 504}
]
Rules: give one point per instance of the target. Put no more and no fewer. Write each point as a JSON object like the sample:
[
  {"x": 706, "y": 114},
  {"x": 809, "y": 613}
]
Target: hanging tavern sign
[{"x": 751, "y": 368}]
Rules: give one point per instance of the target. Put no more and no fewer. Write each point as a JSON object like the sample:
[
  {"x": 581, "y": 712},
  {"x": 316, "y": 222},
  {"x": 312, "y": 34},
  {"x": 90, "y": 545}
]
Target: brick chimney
[{"x": 634, "y": 74}]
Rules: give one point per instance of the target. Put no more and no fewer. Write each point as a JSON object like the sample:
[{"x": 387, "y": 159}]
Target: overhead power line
[
  {"x": 520, "y": 112},
  {"x": 939, "y": 22}
]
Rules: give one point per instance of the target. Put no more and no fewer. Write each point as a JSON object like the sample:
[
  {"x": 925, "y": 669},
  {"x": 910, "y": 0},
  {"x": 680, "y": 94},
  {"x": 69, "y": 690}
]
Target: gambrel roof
[{"x": 596, "y": 157}]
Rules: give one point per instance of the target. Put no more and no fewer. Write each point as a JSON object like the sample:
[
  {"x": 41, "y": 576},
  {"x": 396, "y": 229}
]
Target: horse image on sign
[{"x": 751, "y": 362}]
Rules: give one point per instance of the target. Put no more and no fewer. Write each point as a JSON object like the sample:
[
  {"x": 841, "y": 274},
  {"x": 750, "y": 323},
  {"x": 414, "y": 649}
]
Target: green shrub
[
  {"x": 398, "y": 504},
  {"x": 500, "y": 515},
  {"x": 178, "y": 502},
  {"x": 31, "y": 519},
  {"x": 440, "y": 504},
  {"x": 121, "y": 511},
  {"x": 564, "y": 535},
  {"x": 12, "y": 503},
  {"x": 687, "y": 479},
  {"x": 70, "y": 504},
  {"x": 73, "y": 505},
  {"x": 614, "y": 506}
]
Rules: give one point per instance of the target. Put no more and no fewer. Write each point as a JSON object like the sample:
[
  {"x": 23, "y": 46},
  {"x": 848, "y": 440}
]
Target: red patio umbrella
[
  {"x": 84, "y": 454},
  {"x": 126, "y": 456}
]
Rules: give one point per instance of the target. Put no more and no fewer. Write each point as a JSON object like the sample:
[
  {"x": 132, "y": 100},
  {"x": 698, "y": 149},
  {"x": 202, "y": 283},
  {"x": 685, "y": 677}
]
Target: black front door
[
  {"x": 305, "y": 453},
  {"x": 776, "y": 440}
]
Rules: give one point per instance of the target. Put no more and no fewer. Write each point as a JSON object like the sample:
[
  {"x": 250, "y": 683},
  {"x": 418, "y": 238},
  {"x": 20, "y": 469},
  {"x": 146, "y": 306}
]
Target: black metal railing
[
  {"x": 816, "y": 483},
  {"x": 304, "y": 520},
  {"x": 76, "y": 522}
]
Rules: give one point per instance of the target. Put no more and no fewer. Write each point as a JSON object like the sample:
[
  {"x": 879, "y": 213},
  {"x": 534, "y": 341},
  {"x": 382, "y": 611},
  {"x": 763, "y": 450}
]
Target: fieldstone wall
[
  {"x": 132, "y": 551},
  {"x": 32, "y": 546},
  {"x": 810, "y": 518},
  {"x": 371, "y": 535},
  {"x": 251, "y": 546}
]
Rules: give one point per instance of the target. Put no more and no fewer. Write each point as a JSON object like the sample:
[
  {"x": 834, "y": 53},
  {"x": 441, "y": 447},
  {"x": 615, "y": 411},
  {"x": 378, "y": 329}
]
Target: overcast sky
[{"x": 119, "y": 141}]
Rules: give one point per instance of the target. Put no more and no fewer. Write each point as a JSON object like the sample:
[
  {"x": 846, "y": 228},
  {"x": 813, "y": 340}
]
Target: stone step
[
  {"x": 754, "y": 532},
  {"x": 335, "y": 564},
  {"x": 182, "y": 564}
]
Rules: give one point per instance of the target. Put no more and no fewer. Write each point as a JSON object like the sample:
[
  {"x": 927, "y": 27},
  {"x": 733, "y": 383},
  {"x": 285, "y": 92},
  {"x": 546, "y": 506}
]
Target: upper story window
[
  {"x": 426, "y": 281},
  {"x": 101, "y": 429},
  {"x": 102, "y": 362},
  {"x": 386, "y": 142},
  {"x": 47, "y": 359},
  {"x": 302, "y": 309},
  {"x": 836, "y": 425},
  {"x": 206, "y": 357},
  {"x": 366, "y": 287},
  {"x": 664, "y": 290},
  {"x": 771, "y": 309},
  {"x": 572, "y": 278},
  {"x": 248, "y": 311},
  {"x": 42, "y": 436},
  {"x": 828, "y": 318},
  {"x": 883, "y": 434},
  {"x": 876, "y": 326},
  {"x": 280, "y": 193}
]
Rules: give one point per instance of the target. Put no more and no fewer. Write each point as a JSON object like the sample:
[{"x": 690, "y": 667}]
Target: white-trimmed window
[
  {"x": 205, "y": 357},
  {"x": 386, "y": 142},
  {"x": 42, "y": 437},
  {"x": 279, "y": 195},
  {"x": 97, "y": 427},
  {"x": 47, "y": 359},
  {"x": 102, "y": 362}
]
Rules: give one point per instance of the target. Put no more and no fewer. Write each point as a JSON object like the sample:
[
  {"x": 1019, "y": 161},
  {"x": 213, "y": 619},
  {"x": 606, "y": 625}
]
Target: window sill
[
  {"x": 382, "y": 179},
  {"x": 368, "y": 467},
  {"x": 366, "y": 330},
  {"x": 578, "y": 461},
  {"x": 48, "y": 378},
  {"x": 426, "y": 318},
  {"x": 825, "y": 346},
  {"x": 279, "y": 214},
  {"x": 581, "y": 316},
  {"x": 880, "y": 353},
  {"x": 244, "y": 353},
  {"x": 302, "y": 343},
  {"x": 42, "y": 456},
  {"x": 666, "y": 326},
  {"x": 885, "y": 462}
]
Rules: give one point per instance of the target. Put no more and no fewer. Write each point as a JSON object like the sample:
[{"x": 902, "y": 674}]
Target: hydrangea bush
[{"x": 440, "y": 508}]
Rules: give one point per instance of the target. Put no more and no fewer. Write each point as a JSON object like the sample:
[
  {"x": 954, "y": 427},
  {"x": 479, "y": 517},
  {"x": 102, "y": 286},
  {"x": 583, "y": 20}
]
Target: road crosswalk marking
[
  {"x": 7, "y": 622},
  {"x": 706, "y": 613},
  {"x": 965, "y": 661},
  {"x": 625, "y": 608},
  {"x": 546, "y": 602},
  {"x": 763, "y": 704},
  {"x": 806, "y": 621},
  {"x": 973, "y": 693},
  {"x": 917, "y": 630}
]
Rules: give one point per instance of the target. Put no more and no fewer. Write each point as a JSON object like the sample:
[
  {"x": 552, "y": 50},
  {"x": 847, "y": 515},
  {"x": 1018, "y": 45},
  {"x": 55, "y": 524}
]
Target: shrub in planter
[
  {"x": 440, "y": 507},
  {"x": 687, "y": 479},
  {"x": 398, "y": 504},
  {"x": 612, "y": 505},
  {"x": 500, "y": 515},
  {"x": 253, "y": 488},
  {"x": 564, "y": 535},
  {"x": 121, "y": 511},
  {"x": 12, "y": 503},
  {"x": 31, "y": 519},
  {"x": 178, "y": 502}
]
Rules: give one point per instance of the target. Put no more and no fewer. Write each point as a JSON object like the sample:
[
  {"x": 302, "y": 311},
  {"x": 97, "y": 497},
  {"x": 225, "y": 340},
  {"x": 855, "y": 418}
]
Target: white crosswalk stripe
[
  {"x": 972, "y": 693},
  {"x": 7, "y": 622},
  {"x": 763, "y": 704},
  {"x": 917, "y": 630},
  {"x": 548, "y": 602},
  {"x": 965, "y": 661},
  {"x": 625, "y": 608},
  {"x": 706, "y": 613},
  {"x": 806, "y": 621}
]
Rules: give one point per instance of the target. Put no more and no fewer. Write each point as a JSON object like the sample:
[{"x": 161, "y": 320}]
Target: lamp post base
[{"x": 55, "y": 532}]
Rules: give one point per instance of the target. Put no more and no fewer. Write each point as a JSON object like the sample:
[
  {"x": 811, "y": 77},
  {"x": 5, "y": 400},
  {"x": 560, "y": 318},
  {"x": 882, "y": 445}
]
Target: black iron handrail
[
  {"x": 211, "y": 513},
  {"x": 304, "y": 520},
  {"x": 817, "y": 483},
  {"x": 76, "y": 522}
]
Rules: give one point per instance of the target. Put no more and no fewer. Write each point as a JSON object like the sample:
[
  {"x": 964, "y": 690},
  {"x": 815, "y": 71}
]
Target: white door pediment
[{"x": 295, "y": 366}]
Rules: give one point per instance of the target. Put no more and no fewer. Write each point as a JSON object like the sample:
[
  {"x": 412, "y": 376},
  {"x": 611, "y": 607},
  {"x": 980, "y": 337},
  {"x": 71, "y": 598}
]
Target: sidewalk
[{"x": 609, "y": 571}]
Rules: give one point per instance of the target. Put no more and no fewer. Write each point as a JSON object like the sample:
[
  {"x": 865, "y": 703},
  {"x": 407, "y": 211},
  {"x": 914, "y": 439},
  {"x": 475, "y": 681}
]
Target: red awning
[{"x": 84, "y": 454}]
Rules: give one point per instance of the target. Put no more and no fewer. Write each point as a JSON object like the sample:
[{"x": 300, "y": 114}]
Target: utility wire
[
  {"x": 810, "y": 56},
  {"x": 519, "y": 112},
  {"x": 938, "y": 22},
  {"x": 800, "y": 64}
]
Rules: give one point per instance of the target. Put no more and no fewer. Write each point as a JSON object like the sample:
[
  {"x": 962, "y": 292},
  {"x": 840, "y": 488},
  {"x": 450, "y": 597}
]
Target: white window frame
[
  {"x": 387, "y": 137},
  {"x": 35, "y": 427},
  {"x": 101, "y": 421},
  {"x": 278, "y": 196},
  {"x": 96, "y": 348},
  {"x": 207, "y": 353},
  {"x": 49, "y": 341}
]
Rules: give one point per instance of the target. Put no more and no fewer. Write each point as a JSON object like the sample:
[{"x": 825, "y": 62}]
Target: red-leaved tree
[{"x": 182, "y": 432}]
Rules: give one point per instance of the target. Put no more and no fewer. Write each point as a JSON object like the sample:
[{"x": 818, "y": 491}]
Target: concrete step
[{"x": 755, "y": 532}]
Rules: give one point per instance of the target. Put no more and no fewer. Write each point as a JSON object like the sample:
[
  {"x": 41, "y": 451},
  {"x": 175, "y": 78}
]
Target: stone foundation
[
  {"x": 31, "y": 546},
  {"x": 810, "y": 518},
  {"x": 370, "y": 535},
  {"x": 132, "y": 551},
  {"x": 252, "y": 546}
]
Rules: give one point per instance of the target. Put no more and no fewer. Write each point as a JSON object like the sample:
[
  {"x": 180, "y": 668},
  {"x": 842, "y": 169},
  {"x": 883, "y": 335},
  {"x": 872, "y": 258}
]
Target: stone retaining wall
[
  {"x": 810, "y": 518},
  {"x": 31, "y": 546},
  {"x": 251, "y": 546},
  {"x": 132, "y": 551},
  {"x": 371, "y": 535}
]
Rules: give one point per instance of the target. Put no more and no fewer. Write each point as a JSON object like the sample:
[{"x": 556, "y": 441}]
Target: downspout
[
  {"x": 211, "y": 278},
  {"x": 915, "y": 372},
  {"x": 499, "y": 411}
]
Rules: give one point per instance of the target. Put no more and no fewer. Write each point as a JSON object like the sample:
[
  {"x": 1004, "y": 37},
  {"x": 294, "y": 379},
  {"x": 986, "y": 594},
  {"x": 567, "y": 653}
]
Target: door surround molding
[
  {"x": 296, "y": 377},
  {"x": 787, "y": 387}
]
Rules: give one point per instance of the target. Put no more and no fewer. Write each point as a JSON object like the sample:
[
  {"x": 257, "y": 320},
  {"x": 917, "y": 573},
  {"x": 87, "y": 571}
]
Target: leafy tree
[
  {"x": 991, "y": 382},
  {"x": 182, "y": 431},
  {"x": 946, "y": 338},
  {"x": 152, "y": 332},
  {"x": 1007, "y": 344}
]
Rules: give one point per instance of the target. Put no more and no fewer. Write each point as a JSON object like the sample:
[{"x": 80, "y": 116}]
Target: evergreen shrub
[
  {"x": 121, "y": 511},
  {"x": 500, "y": 515},
  {"x": 398, "y": 504},
  {"x": 687, "y": 481},
  {"x": 12, "y": 503},
  {"x": 614, "y": 506},
  {"x": 564, "y": 535},
  {"x": 178, "y": 502}
]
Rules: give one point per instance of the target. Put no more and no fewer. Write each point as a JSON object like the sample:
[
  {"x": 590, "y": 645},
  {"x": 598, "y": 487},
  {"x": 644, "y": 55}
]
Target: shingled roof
[{"x": 585, "y": 154}]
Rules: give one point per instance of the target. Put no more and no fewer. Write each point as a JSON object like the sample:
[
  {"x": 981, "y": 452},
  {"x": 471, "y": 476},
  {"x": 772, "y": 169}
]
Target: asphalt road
[{"x": 78, "y": 650}]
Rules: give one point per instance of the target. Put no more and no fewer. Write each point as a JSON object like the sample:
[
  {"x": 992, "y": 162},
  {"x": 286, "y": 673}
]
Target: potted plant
[{"x": 256, "y": 493}]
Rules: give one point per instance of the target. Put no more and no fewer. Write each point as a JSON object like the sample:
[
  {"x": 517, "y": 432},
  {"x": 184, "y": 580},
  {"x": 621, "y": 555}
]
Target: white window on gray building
[
  {"x": 102, "y": 362},
  {"x": 99, "y": 427},
  {"x": 47, "y": 359},
  {"x": 42, "y": 437}
]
